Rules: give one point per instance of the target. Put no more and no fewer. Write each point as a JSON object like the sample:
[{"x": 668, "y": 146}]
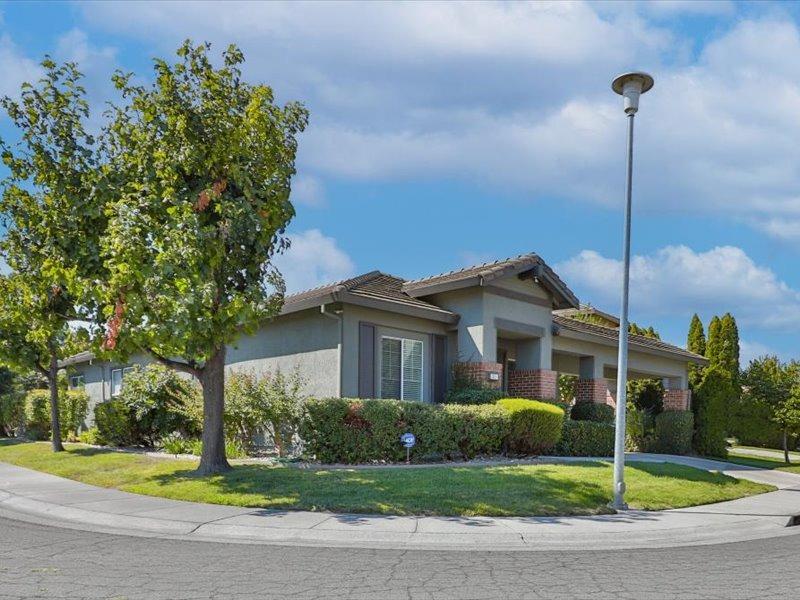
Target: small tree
[
  {"x": 52, "y": 224},
  {"x": 696, "y": 342},
  {"x": 771, "y": 383},
  {"x": 199, "y": 173}
]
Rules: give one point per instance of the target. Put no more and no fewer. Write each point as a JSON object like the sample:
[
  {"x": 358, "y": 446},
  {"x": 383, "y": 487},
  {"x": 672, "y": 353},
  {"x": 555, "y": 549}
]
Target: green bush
[
  {"x": 73, "y": 408},
  {"x": 353, "y": 431},
  {"x": 115, "y": 423},
  {"x": 473, "y": 395},
  {"x": 91, "y": 436},
  {"x": 711, "y": 398},
  {"x": 591, "y": 411},
  {"x": 12, "y": 413},
  {"x": 160, "y": 401},
  {"x": 639, "y": 430},
  {"x": 175, "y": 444},
  {"x": 535, "y": 427},
  {"x": 271, "y": 404},
  {"x": 752, "y": 425},
  {"x": 586, "y": 438},
  {"x": 37, "y": 414},
  {"x": 673, "y": 433}
]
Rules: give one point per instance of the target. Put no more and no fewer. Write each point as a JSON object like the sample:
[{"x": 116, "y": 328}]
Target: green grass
[
  {"x": 574, "y": 489},
  {"x": 763, "y": 462}
]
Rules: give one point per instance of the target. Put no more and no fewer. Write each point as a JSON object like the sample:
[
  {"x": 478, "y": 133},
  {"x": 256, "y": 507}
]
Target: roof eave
[{"x": 644, "y": 349}]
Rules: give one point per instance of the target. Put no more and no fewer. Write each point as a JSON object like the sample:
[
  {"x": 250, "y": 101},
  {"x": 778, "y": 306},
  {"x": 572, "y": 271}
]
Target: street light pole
[{"x": 630, "y": 86}]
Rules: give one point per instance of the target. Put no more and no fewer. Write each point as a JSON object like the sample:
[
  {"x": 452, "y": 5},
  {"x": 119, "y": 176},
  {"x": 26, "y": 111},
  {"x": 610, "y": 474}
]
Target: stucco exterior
[{"x": 513, "y": 323}]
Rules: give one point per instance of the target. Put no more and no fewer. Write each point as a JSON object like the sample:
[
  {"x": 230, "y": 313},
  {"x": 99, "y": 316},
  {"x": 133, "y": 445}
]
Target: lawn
[
  {"x": 574, "y": 489},
  {"x": 763, "y": 461}
]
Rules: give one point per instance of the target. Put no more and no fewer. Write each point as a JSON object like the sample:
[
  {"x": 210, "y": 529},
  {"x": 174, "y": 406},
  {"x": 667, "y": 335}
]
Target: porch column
[
  {"x": 677, "y": 395},
  {"x": 477, "y": 349},
  {"x": 592, "y": 386},
  {"x": 534, "y": 377}
]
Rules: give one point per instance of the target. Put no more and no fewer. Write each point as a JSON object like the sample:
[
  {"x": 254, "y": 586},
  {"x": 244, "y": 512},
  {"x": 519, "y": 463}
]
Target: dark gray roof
[
  {"x": 640, "y": 341},
  {"x": 76, "y": 359},
  {"x": 480, "y": 274},
  {"x": 374, "y": 289}
]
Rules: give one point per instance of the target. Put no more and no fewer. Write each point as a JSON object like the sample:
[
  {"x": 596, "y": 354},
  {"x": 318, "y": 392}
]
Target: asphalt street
[{"x": 39, "y": 561}]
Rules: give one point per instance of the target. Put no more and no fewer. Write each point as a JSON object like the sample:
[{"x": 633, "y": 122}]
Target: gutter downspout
[{"x": 336, "y": 317}]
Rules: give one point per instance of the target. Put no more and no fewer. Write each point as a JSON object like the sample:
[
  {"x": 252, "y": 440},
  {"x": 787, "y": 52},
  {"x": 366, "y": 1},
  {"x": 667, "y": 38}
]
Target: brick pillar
[
  {"x": 595, "y": 391},
  {"x": 484, "y": 373},
  {"x": 676, "y": 399},
  {"x": 539, "y": 384}
]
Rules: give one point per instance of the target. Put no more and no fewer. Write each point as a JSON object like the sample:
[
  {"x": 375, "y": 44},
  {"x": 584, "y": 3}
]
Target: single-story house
[{"x": 512, "y": 324}]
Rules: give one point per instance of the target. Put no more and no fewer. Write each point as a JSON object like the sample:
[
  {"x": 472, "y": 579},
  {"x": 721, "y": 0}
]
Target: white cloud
[
  {"x": 312, "y": 260},
  {"x": 517, "y": 94},
  {"x": 16, "y": 68},
  {"x": 676, "y": 280},
  {"x": 308, "y": 191},
  {"x": 749, "y": 350}
]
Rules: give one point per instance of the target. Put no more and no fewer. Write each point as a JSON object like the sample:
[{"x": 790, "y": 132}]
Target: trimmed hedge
[
  {"x": 353, "y": 431},
  {"x": 586, "y": 438},
  {"x": 709, "y": 404},
  {"x": 115, "y": 424},
  {"x": 535, "y": 426},
  {"x": 473, "y": 395},
  {"x": 673, "y": 432},
  {"x": 591, "y": 411}
]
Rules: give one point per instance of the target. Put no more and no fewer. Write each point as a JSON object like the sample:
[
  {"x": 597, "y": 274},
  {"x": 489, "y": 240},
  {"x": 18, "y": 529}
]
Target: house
[{"x": 512, "y": 324}]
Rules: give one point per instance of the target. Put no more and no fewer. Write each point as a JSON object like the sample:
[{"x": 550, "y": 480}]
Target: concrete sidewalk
[{"x": 34, "y": 496}]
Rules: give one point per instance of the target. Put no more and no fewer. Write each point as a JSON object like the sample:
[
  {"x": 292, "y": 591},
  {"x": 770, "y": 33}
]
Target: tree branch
[{"x": 190, "y": 368}]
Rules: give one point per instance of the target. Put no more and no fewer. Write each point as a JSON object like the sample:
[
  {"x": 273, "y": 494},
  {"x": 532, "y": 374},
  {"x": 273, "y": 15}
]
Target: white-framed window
[
  {"x": 76, "y": 381},
  {"x": 117, "y": 375},
  {"x": 401, "y": 368}
]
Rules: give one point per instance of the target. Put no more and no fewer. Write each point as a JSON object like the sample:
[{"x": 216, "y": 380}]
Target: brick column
[
  {"x": 594, "y": 390},
  {"x": 483, "y": 373},
  {"x": 539, "y": 384},
  {"x": 676, "y": 399}
]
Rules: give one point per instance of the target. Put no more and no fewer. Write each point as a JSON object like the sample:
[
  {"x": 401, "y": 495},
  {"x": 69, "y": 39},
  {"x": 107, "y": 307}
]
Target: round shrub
[
  {"x": 673, "y": 434},
  {"x": 591, "y": 411},
  {"x": 586, "y": 438},
  {"x": 115, "y": 423},
  {"x": 535, "y": 427}
]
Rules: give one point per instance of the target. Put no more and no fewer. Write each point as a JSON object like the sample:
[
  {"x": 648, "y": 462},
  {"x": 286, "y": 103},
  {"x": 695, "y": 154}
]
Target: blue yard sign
[{"x": 408, "y": 440}]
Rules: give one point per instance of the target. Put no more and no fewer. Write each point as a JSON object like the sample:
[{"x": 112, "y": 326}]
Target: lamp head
[{"x": 630, "y": 86}]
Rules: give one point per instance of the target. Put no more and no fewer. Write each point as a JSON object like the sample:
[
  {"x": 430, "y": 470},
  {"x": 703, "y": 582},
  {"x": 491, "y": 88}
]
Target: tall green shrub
[
  {"x": 115, "y": 424},
  {"x": 696, "y": 342},
  {"x": 673, "y": 432},
  {"x": 159, "y": 400},
  {"x": 709, "y": 404},
  {"x": 72, "y": 411},
  {"x": 535, "y": 426}
]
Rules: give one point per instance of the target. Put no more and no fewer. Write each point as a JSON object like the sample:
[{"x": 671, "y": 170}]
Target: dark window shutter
[
  {"x": 366, "y": 360},
  {"x": 439, "y": 367}
]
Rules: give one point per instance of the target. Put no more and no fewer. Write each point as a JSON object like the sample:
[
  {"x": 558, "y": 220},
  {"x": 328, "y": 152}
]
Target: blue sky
[{"x": 448, "y": 134}]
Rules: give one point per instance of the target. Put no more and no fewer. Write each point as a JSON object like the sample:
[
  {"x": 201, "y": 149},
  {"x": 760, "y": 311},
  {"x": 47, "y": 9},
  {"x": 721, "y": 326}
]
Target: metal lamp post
[{"x": 630, "y": 86}]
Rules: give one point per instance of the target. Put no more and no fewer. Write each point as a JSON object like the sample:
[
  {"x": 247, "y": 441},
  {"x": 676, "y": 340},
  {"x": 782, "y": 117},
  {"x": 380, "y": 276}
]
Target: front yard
[
  {"x": 765, "y": 462},
  {"x": 574, "y": 489}
]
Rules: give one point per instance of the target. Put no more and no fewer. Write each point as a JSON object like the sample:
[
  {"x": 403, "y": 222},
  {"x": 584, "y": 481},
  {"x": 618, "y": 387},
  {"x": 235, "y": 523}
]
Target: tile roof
[
  {"x": 493, "y": 270},
  {"x": 634, "y": 340},
  {"x": 373, "y": 285}
]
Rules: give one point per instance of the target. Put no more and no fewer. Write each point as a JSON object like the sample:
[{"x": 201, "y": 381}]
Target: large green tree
[
  {"x": 52, "y": 222},
  {"x": 199, "y": 171},
  {"x": 696, "y": 342},
  {"x": 772, "y": 384},
  {"x": 728, "y": 357}
]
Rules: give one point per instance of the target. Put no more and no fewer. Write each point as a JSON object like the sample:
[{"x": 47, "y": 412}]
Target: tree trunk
[
  {"x": 786, "y": 447},
  {"x": 212, "y": 380},
  {"x": 55, "y": 423}
]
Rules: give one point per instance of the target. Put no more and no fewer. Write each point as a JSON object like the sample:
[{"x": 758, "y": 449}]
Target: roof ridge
[
  {"x": 347, "y": 283},
  {"x": 490, "y": 264}
]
